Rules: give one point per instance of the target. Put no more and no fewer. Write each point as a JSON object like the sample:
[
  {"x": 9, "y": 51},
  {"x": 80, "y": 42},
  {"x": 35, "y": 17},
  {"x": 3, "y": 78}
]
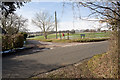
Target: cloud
[
  {"x": 70, "y": 25},
  {"x": 80, "y": 25}
]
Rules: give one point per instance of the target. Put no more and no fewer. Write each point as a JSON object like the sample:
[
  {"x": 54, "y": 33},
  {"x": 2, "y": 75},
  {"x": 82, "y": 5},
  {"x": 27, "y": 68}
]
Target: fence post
[
  {"x": 68, "y": 34},
  {"x": 60, "y": 34}
]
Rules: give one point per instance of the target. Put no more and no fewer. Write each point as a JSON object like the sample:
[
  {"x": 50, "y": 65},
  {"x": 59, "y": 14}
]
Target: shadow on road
[
  {"x": 23, "y": 69},
  {"x": 35, "y": 48},
  {"x": 15, "y": 68}
]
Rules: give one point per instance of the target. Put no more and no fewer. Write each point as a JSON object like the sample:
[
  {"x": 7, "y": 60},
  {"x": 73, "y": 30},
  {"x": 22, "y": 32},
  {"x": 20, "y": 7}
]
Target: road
[{"x": 24, "y": 66}]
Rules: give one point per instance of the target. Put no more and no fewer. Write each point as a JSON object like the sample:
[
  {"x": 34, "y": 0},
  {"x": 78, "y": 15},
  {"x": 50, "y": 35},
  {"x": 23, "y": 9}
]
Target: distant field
[{"x": 77, "y": 35}]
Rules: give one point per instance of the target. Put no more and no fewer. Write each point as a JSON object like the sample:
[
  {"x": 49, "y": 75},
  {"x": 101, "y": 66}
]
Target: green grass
[
  {"x": 90, "y": 37},
  {"x": 72, "y": 40},
  {"x": 77, "y": 35}
]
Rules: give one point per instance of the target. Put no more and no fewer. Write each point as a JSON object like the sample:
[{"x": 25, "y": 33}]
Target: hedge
[
  {"x": 12, "y": 41},
  {"x": 24, "y": 34}
]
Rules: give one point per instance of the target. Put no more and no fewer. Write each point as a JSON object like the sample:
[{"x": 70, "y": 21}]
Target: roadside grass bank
[
  {"x": 96, "y": 67},
  {"x": 72, "y": 40}
]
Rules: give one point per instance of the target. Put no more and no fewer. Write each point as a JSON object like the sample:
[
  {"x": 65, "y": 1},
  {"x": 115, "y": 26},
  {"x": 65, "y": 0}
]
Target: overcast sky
[{"x": 68, "y": 19}]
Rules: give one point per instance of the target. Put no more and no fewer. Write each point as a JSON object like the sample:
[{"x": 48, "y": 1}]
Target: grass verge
[
  {"x": 96, "y": 67},
  {"x": 72, "y": 40}
]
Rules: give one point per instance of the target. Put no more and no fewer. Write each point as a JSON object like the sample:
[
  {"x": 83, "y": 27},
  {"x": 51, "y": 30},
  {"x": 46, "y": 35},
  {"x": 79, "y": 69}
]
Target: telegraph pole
[{"x": 56, "y": 24}]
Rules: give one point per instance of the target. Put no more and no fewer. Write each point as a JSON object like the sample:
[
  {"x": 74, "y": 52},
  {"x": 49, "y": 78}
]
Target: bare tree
[
  {"x": 110, "y": 12},
  {"x": 44, "y": 21},
  {"x": 13, "y": 24},
  {"x": 100, "y": 26}
]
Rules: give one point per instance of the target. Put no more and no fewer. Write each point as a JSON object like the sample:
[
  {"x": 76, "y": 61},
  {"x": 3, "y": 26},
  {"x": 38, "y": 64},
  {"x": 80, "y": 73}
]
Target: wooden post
[
  {"x": 60, "y": 34},
  {"x": 68, "y": 34},
  {"x": 56, "y": 24}
]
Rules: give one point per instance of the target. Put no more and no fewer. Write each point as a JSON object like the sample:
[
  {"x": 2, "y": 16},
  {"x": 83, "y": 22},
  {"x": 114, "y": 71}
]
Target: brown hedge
[{"x": 12, "y": 41}]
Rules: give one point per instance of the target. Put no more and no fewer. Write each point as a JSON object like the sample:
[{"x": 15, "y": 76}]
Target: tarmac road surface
[{"x": 24, "y": 66}]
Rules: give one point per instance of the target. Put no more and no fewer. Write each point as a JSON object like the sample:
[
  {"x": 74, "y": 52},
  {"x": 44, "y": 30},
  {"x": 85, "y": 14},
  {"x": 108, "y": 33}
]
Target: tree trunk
[{"x": 45, "y": 35}]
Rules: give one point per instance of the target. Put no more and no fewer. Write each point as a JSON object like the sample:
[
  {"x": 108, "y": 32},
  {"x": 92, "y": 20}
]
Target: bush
[
  {"x": 12, "y": 41},
  {"x": 24, "y": 34},
  {"x": 6, "y": 42},
  {"x": 18, "y": 40}
]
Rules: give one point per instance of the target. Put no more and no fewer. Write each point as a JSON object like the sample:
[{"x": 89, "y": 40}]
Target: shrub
[
  {"x": 24, "y": 34},
  {"x": 12, "y": 41},
  {"x": 18, "y": 40},
  {"x": 6, "y": 42}
]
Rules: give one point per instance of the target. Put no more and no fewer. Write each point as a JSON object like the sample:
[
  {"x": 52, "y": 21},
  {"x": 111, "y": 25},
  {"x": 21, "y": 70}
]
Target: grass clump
[{"x": 103, "y": 66}]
